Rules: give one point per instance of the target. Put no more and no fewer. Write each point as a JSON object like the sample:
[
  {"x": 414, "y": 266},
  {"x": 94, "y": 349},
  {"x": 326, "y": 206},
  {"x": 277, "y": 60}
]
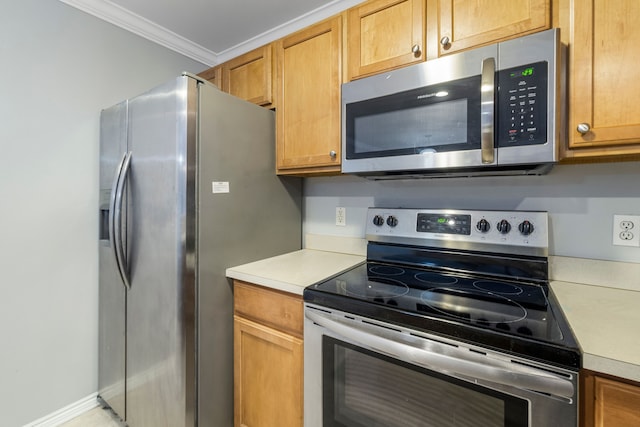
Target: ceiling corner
[
  {"x": 116, "y": 15},
  {"x": 296, "y": 24}
]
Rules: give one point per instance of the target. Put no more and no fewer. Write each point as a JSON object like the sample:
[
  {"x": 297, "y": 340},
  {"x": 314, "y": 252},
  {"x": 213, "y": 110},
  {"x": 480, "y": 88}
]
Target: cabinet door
[
  {"x": 308, "y": 100},
  {"x": 384, "y": 34},
  {"x": 604, "y": 83},
  {"x": 213, "y": 75},
  {"x": 268, "y": 376},
  {"x": 455, "y": 25},
  {"x": 250, "y": 76},
  {"x": 616, "y": 404}
]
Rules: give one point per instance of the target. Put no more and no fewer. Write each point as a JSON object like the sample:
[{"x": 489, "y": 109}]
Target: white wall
[
  {"x": 580, "y": 199},
  {"x": 58, "y": 68}
]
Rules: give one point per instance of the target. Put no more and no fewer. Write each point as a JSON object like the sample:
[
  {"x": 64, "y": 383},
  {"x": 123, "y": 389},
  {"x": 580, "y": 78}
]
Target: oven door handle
[{"x": 518, "y": 376}]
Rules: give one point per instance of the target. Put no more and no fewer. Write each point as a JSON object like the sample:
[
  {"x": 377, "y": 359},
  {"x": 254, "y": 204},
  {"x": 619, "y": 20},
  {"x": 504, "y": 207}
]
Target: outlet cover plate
[
  {"x": 341, "y": 216},
  {"x": 626, "y": 230}
]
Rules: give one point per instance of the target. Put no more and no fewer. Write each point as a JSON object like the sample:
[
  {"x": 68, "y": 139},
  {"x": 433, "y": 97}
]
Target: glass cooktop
[{"x": 508, "y": 315}]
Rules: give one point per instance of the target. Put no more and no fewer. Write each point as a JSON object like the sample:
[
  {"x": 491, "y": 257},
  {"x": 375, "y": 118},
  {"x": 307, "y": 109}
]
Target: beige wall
[{"x": 59, "y": 67}]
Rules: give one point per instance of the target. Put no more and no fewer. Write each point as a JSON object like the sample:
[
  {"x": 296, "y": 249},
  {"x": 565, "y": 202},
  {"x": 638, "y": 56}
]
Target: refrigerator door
[
  {"x": 112, "y": 291},
  {"x": 245, "y": 213},
  {"x": 161, "y": 301}
]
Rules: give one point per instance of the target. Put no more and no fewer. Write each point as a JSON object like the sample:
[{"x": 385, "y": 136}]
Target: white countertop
[
  {"x": 295, "y": 271},
  {"x": 601, "y": 299},
  {"x": 605, "y": 322}
]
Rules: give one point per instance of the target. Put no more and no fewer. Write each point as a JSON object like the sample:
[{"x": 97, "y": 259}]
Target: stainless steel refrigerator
[{"x": 187, "y": 189}]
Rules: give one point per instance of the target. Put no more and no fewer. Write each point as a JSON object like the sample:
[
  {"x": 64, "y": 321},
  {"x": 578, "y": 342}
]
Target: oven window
[
  {"x": 438, "y": 118},
  {"x": 366, "y": 389}
]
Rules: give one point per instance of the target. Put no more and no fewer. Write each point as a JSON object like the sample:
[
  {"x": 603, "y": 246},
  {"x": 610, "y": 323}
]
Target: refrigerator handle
[{"x": 115, "y": 217}]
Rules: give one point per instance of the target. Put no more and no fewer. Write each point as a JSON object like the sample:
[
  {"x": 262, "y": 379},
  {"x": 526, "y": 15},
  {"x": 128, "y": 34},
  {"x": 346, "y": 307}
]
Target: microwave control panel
[{"x": 522, "y": 105}]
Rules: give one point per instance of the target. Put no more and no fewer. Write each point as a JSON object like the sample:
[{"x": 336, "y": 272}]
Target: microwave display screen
[{"x": 529, "y": 71}]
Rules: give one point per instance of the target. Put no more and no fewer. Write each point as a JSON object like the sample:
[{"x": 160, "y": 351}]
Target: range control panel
[{"x": 444, "y": 226}]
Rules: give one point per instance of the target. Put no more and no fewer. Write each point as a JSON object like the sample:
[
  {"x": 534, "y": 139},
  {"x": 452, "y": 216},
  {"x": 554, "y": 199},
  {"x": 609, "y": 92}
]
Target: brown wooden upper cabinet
[
  {"x": 213, "y": 75},
  {"x": 309, "y": 71},
  {"x": 454, "y": 25},
  {"x": 604, "y": 83},
  {"x": 250, "y": 76},
  {"x": 384, "y": 34}
]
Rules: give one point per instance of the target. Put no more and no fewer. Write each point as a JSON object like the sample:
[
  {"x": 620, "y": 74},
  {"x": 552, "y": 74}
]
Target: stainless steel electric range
[{"x": 450, "y": 322}]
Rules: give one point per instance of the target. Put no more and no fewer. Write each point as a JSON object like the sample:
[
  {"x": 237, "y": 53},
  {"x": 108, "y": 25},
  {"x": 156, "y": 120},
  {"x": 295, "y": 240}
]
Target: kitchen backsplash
[{"x": 581, "y": 201}]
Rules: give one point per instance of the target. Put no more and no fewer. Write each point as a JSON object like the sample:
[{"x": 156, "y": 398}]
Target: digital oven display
[{"x": 444, "y": 224}]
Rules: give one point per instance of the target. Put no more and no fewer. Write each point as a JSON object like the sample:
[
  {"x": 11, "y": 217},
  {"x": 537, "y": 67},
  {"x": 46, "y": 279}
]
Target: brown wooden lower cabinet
[
  {"x": 609, "y": 401},
  {"x": 268, "y": 357}
]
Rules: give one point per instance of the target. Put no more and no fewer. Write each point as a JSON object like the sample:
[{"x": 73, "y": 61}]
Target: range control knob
[
  {"x": 525, "y": 228},
  {"x": 483, "y": 226},
  {"x": 392, "y": 221},
  {"x": 378, "y": 220},
  {"x": 504, "y": 227}
]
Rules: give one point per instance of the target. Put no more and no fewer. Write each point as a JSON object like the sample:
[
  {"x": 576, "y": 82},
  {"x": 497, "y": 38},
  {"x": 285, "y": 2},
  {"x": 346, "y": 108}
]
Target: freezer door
[
  {"x": 112, "y": 292},
  {"x": 161, "y": 301}
]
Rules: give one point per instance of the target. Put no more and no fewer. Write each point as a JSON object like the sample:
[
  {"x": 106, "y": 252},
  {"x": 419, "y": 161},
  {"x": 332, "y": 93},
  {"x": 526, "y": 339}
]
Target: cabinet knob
[
  {"x": 332, "y": 153},
  {"x": 445, "y": 41},
  {"x": 583, "y": 128},
  {"x": 416, "y": 50}
]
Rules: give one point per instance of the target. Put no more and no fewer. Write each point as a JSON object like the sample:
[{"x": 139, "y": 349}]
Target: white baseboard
[{"x": 67, "y": 413}]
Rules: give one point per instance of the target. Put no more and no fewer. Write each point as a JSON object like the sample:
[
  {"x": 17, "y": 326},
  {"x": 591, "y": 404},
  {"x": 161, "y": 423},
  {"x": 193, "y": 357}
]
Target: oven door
[{"x": 364, "y": 373}]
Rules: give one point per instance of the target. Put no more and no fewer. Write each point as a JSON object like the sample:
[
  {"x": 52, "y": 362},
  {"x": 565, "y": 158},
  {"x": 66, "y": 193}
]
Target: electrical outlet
[
  {"x": 341, "y": 216},
  {"x": 626, "y": 230}
]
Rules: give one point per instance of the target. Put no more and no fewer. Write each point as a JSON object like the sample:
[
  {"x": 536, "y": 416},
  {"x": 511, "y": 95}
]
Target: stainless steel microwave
[{"x": 493, "y": 110}]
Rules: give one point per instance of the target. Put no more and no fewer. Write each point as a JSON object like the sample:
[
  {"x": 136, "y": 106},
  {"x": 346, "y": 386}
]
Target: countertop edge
[
  {"x": 266, "y": 282},
  {"x": 605, "y": 365},
  {"x": 294, "y": 271}
]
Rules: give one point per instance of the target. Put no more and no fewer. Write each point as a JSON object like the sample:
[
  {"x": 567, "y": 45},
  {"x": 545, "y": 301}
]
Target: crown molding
[
  {"x": 303, "y": 21},
  {"x": 121, "y": 17}
]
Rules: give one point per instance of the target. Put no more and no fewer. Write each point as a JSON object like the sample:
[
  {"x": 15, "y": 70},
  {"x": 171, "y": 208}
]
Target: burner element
[
  {"x": 375, "y": 288},
  {"x": 386, "y": 270},
  {"x": 497, "y": 287},
  {"x": 435, "y": 278},
  {"x": 474, "y": 305}
]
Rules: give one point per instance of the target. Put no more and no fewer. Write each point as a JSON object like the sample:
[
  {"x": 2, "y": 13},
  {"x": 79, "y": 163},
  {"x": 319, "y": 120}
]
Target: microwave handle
[{"x": 487, "y": 96}]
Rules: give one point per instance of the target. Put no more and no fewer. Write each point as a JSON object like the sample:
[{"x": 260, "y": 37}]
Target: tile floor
[{"x": 97, "y": 417}]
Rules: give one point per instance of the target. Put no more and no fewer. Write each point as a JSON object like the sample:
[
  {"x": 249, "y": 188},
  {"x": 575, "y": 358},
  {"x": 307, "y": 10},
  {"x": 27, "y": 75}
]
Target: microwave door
[
  {"x": 442, "y": 126},
  {"x": 438, "y": 115}
]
